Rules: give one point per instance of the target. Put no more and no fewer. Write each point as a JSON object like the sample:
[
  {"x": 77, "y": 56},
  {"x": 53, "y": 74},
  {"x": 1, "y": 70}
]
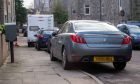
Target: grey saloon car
[{"x": 90, "y": 41}]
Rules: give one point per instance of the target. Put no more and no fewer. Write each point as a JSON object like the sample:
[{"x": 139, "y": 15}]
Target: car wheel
[
  {"x": 37, "y": 46},
  {"x": 119, "y": 65},
  {"x": 52, "y": 58},
  {"x": 48, "y": 49},
  {"x": 65, "y": 63}
]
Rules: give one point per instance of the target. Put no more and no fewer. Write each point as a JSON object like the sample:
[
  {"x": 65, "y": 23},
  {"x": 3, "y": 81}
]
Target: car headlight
[{"x": 134, "y": 35}]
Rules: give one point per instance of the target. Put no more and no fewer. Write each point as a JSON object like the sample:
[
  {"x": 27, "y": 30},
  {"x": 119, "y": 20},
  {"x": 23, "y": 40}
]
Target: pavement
[{"x": 34, "y": 67}]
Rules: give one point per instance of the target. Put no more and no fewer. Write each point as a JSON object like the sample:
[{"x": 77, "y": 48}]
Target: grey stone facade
[
  {"x": 105, "y": 10},
  {"x": 135, "y": 5},
  {"x": 9, "y": 11},
  {"x": 111, "y": 10},
  {"x": 42, "y": 6}
]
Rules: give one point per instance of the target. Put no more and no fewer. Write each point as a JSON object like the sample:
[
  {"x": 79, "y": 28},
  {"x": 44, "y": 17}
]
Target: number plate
[{"x": 103, "y": 59}]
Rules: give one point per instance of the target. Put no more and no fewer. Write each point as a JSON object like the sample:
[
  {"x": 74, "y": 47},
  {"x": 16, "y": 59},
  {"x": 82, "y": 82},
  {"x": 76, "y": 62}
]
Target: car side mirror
[{"x": 126, "y": 31}]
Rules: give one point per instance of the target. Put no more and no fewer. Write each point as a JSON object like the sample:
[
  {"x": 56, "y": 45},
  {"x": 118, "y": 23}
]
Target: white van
[{"x": 37, "y": 22}]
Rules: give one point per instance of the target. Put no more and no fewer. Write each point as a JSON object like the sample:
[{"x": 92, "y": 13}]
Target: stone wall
[
  {"x": 3, "y": 49},
  {"x": 135, "y": 9},
  {"x": 105, "y": 10}
]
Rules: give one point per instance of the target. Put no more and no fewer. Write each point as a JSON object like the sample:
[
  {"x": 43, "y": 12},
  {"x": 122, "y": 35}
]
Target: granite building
[
  {"x": 9, "y": 11},
  {"x": 135, "y": 9},
  {"x": 42, "y": 6},
  {"x": 104, "y": 10}
]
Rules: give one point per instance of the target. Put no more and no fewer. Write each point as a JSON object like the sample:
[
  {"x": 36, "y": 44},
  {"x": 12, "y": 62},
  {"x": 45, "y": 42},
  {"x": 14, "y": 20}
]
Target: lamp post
[{"x": 100, "y": 10}]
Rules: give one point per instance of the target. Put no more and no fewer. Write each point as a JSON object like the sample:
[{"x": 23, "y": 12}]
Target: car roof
[
  {"x": 126, "y": 25},
  {"x": 92, "y": 21}
]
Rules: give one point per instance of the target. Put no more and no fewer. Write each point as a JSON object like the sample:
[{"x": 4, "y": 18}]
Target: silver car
[{"x": 90, "y": 41}]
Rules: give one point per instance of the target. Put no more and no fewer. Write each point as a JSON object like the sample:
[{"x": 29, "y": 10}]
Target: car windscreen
[
  {"x": 134, "y": 29},
  {"x": 47, "y": 32},
  {"x": 33, "y": 28},
  {"x": 94, "y": 26}
]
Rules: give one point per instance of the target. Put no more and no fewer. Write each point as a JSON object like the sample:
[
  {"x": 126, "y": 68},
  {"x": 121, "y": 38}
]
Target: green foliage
[
  {"x": 2, "y": 27},
  {"x": 21, "y": 12},
  {"x": 60, "y": 15}
]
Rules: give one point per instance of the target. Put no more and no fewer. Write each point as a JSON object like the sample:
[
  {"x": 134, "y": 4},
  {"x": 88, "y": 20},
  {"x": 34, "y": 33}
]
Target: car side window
[
  {"x": 125, "y": 30},
  {"x": 70, "y": 28},
  {"x": 120, "y": 28},
  {"x": 64, "y": 29},
  {"x": 39, "y": 32},
  {"x": 43, "y": 32}
]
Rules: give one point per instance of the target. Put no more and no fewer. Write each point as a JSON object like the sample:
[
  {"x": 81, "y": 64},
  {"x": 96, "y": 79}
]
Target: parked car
[
  {"x": 90, "y": 41},
  {"x": 133, "y": 31},
  {"x": 43, "y": 37},
  {"x": 137, "y": 23},
  {"x": 36, "y": 22},
  {"x": 56, "y": 29}
]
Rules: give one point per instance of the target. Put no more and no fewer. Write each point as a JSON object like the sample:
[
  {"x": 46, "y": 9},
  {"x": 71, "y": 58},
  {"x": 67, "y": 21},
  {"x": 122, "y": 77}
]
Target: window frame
[
  {"x": 30, "y": 28},
  {"x": 85, "y": 7}
]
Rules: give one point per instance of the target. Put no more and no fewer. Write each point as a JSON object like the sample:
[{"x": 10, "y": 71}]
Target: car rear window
[
  {"x": 134, "y": 28},
  {"x": 33, "y": 28},
  {"x": 47, "y": 32},
  {"x": 94, "y": 26}
]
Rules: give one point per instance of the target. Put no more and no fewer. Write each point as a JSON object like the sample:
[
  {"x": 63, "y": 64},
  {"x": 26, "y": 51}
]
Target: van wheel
[
  {"x": 119, "y": 65},
  {"x": 29, "y": 44},
  {"x": 65, "y": 63}
]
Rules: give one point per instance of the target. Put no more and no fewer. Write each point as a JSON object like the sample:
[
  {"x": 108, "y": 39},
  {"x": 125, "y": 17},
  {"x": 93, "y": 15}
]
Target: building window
[
  {"x": 120, "y": 4},
  {"x": 86, "y": 9}
]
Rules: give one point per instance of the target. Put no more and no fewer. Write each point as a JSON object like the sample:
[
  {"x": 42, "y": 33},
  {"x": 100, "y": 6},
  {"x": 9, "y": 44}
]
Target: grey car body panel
[{"x": 95, "y": 46}]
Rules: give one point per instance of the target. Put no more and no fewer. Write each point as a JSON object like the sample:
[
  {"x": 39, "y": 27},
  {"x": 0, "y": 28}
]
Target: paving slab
[{"x": 34, "y": 67}]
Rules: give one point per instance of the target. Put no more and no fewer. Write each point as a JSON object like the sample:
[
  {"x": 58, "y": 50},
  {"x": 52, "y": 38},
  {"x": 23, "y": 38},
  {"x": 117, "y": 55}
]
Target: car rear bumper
[
  {"x": 42, "y": 44},
  {"x": 85, "y": 54}
]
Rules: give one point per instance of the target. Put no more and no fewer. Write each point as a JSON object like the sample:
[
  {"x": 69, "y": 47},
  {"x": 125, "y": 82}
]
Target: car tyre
[
  {"x": 38, "y": 47},
  {"x": 119, "y": 65},
  {"x": 52, "y": 58},
  {"x": 49, "y": 46},
  {"x": 35, "y": 45},
  {"x": 29, "y": 44},
  {"x": 65, "y": 63}
]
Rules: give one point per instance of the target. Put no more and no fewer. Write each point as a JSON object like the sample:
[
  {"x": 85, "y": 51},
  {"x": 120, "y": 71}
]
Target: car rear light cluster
[
  {"x": 40, "y": 36},
  {"x": 127, "y": 40},
  {"x": 77, "y": 39}
]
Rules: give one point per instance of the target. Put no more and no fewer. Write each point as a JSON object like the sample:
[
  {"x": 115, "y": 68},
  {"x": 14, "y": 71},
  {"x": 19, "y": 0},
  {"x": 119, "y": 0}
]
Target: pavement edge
[{"x": 93, "y": 77}]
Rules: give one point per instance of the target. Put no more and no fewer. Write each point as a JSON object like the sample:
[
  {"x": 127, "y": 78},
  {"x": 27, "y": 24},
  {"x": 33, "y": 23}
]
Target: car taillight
[
  {"x": 78, "y": 39},
  {"x": 127, "y": 40},
  {"x": 40, "y": 36}
]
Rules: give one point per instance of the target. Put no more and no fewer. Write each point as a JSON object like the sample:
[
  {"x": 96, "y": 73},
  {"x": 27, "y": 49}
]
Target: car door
[
  {"x": 60, "y": 39},
  {"x": 54, "y": 45}
]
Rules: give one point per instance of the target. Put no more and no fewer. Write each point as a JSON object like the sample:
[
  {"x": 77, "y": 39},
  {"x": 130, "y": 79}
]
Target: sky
[{"x": 28, "y": 3}]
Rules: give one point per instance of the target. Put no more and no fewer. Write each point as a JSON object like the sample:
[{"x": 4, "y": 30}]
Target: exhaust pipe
[{"x": 86, "y": 60}]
